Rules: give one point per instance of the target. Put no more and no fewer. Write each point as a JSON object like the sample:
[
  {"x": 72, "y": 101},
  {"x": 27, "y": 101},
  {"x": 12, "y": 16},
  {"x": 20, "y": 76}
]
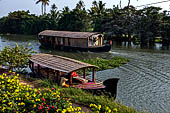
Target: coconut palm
[
  {"x": 43, "y": 5},
  {"x": 46, "y": 2}
]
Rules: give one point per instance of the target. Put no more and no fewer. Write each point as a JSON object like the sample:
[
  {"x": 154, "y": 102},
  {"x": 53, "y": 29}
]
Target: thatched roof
[
  {"x": 67, "y": 34},
  {"x": 59, "y": 63}
]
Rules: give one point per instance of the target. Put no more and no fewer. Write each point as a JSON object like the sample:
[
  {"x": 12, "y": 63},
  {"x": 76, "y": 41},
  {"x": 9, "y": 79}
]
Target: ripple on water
[{"x": 144, "y": 81}]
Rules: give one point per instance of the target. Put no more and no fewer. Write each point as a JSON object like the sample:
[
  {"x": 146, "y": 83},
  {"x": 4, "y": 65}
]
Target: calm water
[{"x": 144, "y": 82}]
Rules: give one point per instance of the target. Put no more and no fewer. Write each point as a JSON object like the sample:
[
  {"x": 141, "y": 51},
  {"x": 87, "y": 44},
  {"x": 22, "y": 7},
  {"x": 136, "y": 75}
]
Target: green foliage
[
  {"x": 16, "y": 57},
  {"x": 75, "y": 20},
  {"x": 16, "y": 97},
  {"x": 107, "y": 63}
]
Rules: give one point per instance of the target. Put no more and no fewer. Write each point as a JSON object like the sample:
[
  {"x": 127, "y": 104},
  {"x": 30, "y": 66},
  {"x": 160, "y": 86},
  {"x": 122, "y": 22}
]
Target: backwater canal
[{"x": 144, "y": 82}]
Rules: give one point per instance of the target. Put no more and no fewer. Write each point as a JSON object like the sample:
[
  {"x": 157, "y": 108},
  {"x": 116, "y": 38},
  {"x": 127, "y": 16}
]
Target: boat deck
[{"x": 89, "y": 85}]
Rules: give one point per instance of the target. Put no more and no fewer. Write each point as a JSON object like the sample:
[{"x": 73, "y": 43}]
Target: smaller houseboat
[
  {"x": 74, "y": 41},
  {"x": 63, "y": 71}
]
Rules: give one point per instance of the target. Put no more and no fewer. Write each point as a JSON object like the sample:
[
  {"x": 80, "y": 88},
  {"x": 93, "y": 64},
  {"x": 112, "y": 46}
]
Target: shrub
[
  {"x": 16, "y": 97},
  {"x": 16, "y": 57}
]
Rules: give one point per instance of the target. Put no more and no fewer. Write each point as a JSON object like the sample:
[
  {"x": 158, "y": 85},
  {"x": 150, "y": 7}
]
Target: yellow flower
[
  {"x": 58, "y": 110},
  {"x": 3, "y": 101},
  {"x": 35, "y": 105},
  {"x": 9, "y": 103},
  {"x": 115, "y": 110},
  {"x": 22, "y": 103},
  {"x": 79, "y": 108},
  {"x": 99, "y": 107},
  {"x": 17, "y": 90},
  {"x": 91, "y": 105},
  {"x": 68, "y": 109},
  {"x": 28, "y": 86},
  {"x": 34, "y": 95},
  {"x": 37, "y": 99},
  {"x": 64, "y": 110},
  {"x": 27, "y": 94},
  {"x": 3, "y": 109},
  {"x": 35, "y": 90}
]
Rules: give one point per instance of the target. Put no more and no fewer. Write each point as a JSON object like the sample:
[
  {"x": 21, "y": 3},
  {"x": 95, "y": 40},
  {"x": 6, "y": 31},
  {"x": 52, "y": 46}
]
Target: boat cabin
[
  {"x": 73, "y": 39},
  {"x": 64, "y": 69}
]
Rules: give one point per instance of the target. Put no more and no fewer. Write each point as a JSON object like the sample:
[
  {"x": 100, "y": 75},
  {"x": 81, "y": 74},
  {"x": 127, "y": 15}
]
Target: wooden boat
[
  {"x": 73, "y": 41},
  {"x": 58, "y": 67}
]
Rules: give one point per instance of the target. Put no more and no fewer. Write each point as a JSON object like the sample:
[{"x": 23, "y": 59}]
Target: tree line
[{"x": 121, "y": 24}]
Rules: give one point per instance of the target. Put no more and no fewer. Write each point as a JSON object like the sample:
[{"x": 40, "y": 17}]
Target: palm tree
[
  {"x": 43, "y": 5},
  {"x": 46, "y": 2}
]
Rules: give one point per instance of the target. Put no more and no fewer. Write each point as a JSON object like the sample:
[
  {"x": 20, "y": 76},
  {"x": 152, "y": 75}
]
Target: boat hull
[{"x": 104, "y": 48}]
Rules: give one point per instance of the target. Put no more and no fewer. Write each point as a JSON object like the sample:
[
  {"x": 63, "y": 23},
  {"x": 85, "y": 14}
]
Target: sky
[{"x": 7, "y": 6}]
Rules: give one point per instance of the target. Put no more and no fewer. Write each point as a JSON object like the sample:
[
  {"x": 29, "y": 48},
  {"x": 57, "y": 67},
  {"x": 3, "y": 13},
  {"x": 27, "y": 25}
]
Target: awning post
[
  {"x": 93, "y": 75},
  {"x": 84, "y": 73},
  {"x": 70, "y": 79}
]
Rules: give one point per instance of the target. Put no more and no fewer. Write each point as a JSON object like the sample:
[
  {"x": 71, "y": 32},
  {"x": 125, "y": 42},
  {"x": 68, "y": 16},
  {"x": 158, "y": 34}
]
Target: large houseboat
[{"x": 73, "y": 41}]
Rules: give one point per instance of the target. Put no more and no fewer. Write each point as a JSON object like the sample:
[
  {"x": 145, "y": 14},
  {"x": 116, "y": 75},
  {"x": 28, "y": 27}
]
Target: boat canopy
[
  {"x": 59, "y": 63},
  {"x": 67, "y": 34}
]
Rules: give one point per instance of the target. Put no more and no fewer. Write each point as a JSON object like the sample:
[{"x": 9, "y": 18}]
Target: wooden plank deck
[{"x": 90, "y": 85}]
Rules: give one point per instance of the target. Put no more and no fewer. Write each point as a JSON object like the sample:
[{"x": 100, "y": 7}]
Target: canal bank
[{"x": 144, "y": 82}]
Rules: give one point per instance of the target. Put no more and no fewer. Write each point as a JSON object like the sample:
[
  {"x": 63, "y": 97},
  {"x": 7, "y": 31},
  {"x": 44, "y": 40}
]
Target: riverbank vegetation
[
  {"x": 107, "y": 63},
  {"x": 16, "y": 58},
  {"x": 127, "y": 24},
  {"x": 81, "y": 97}
]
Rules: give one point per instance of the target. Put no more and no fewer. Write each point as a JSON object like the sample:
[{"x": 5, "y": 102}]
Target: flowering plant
[
  {"x": 102, "y": 109},
  {"x": 16, "y": 97}
]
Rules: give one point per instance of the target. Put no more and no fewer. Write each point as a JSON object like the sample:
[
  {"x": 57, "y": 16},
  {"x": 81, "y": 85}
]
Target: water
[{"x": 144, "y": 82}]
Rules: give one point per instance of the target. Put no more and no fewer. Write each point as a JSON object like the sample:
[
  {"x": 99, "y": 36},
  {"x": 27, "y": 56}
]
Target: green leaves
[
  {"x": 107, "y": 63},
  {"x": 16, "y": 57}
]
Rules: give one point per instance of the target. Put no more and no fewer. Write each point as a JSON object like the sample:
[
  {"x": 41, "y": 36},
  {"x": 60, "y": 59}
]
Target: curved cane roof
[
  {"x": 59, "y": 63},
  {"x": 67, "y": 34}
]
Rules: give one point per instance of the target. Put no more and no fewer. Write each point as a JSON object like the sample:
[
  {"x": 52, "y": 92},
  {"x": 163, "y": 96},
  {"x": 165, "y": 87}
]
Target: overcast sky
[{"x": 7, "y": 6}]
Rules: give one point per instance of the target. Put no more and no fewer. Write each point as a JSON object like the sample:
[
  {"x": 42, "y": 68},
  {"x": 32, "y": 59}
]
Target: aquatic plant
[{"x": 107, "y": 63}]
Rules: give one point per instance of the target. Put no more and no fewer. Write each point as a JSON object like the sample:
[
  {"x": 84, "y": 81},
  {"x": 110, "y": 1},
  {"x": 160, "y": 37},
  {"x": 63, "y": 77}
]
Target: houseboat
[
  {"x": 68, "y": 72},
  {"x": 73, "y": 41}
]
